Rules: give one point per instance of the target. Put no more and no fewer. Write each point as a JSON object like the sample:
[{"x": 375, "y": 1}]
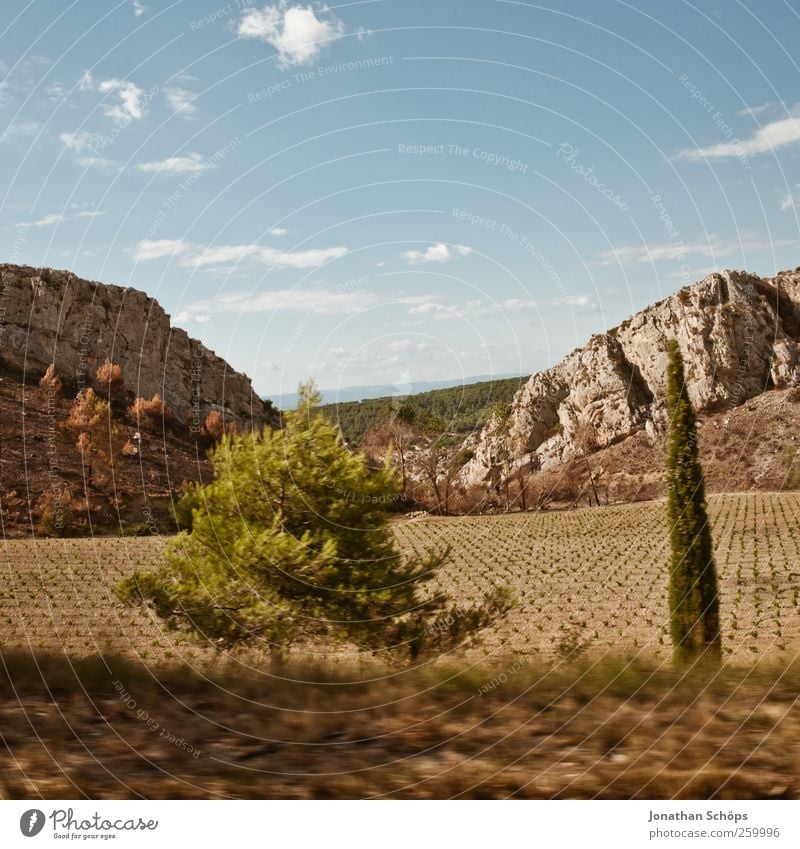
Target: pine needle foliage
[{"x": 291, "y": 542}]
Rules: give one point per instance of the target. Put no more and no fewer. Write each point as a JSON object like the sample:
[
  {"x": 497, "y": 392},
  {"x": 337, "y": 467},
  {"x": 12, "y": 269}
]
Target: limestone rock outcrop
[
  {"x": 49, "y": 316},
  {"x": 739, "y": 335}
]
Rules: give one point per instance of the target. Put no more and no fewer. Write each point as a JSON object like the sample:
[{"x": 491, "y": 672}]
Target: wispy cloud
[
  {"x": 769, "y": 138},
  {"x": 199, "y": 256},
  {"x": 319, "y": 301},
  {"x": 631, "y": 254},
  {"x": 477, "y": 308},
  {"x": 59, "y": 217},
  {"x": 437, "y": 253},
  {"x": 297, "y": 32},
  {"x": 573, "y": 301},
  {"x": 278, "y": 231},
  {"x": 316, "y": 301},
  {"x": 756, "y": 110},
  {"x": 267, "y": 256},
  {"x": 189, "y": 164},
  {"x": 138, "y": 9},
  {"x": 158, "y": 248},
  {"x": 20, "y": 128},
  {"x": 54, "y": 218},
  {"x": 181, "y": 101},
  {"x": 96, "y": 162}
]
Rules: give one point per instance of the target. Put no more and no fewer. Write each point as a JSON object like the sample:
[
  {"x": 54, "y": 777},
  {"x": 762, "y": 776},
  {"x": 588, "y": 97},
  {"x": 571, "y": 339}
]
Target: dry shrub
[
  {"x": 216, "y": 427},
  {"x": 56, "y": 512},
  {"x": 129, "y": 449},
  {"x": 474, "y": 499},
  {"x": 88, "y": 411},
  {"x": 51, "y": 381},
  {"x": 84, "y": 444},
  {"x": 152, "y": 414},
  {"x": 109, "y": 379}
]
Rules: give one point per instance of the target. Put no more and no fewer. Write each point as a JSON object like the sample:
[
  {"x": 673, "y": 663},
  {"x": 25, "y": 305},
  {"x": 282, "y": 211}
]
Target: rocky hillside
[
  {"x": 56, "y": 479},
  {"x": 49, "y": 316},
  {"x": 739, "y": 335}
]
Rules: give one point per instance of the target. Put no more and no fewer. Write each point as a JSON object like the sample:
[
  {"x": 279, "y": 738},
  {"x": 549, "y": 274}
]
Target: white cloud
[
  {"x": 319, "y": 301},
  {"x": 181, "y": 101},
  {"x": 770, "y": 137},
  {"x": 130, "y": 98},
  {"x": 755, "y": 110},
  {"x": 573, "y": 301},
  {"x": 58, "y": 217},
  {"x": 199, "y": 256},
  {"x": 437, "y": 253},
  {"x": 96, "y": 162},
  {"x": 55, "y": 218},
  {"x": 138, "y": 9},
  {"x": 158, "y": 248},
  {"x": 20, "y": 128},
  {"x": 56, "y": 92},
  {"x": 79, "y": 142},
  {"x": 268, "y": 256},
  {"x": 472, "y": 309},
  {"x": 278, "y": 231},
  {"x": 632, "y": 254},
  {"x": 294, "y": 31},
  {"x": 189, "y": 164}
]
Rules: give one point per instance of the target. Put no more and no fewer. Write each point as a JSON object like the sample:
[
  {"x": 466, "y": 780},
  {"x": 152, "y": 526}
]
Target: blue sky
[{"x": 393, "y": 190}]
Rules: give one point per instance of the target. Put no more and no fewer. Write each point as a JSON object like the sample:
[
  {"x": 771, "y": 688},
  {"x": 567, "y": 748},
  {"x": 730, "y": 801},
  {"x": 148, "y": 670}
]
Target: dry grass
[{"x": 116, "y": 729}]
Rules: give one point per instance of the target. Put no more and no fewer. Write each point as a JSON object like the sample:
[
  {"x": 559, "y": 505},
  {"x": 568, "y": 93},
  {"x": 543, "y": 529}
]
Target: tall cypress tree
[{"x": 693, "y": 599}]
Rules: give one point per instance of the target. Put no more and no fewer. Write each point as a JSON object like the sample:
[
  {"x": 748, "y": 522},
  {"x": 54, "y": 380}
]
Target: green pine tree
[
  {"x": 693, "y": 599},
  {"x": 292, "y": 541}
]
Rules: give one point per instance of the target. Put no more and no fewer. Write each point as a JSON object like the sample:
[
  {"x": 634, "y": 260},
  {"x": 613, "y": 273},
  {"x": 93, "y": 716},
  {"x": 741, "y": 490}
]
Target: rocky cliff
[
  {"x": 49, "y": 316},
  {"x": 739, "y": 335}
]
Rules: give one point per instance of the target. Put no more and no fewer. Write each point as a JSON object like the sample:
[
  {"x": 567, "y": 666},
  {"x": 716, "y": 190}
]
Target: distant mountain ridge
[
  {"x": 462, "y": 409},
  {"x": 349, "y": 394}
]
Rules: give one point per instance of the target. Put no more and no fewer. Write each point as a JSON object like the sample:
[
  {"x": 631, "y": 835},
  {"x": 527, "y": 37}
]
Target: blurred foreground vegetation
[{"x": 109, "y": 727}]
